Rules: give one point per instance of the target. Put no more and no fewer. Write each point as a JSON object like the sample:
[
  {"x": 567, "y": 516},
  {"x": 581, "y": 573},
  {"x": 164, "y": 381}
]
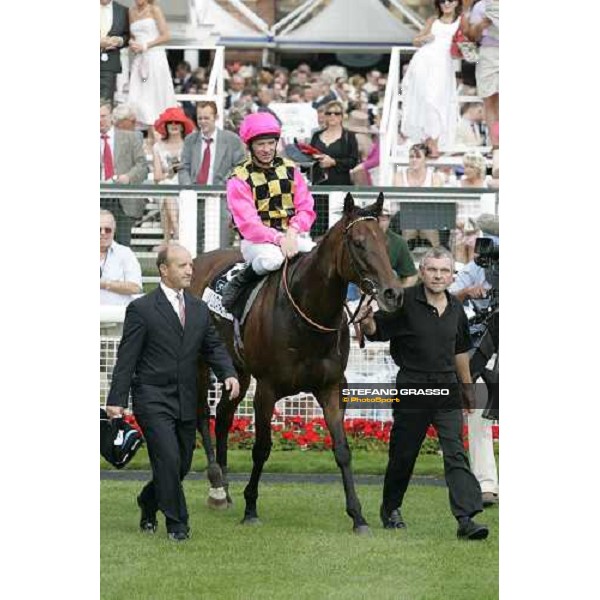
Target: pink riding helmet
[{"x": 261, "y": 124}]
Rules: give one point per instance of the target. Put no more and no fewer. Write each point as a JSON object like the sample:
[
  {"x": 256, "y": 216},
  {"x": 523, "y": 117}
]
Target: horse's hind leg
[
  {"x": 264, "y": 403},
  {"x": 225, "y": 413},
  {"x": 334, "y": 416}
]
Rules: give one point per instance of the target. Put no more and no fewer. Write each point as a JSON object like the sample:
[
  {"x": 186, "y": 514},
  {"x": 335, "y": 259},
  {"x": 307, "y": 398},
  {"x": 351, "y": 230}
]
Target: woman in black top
[
  {"x": 339, "y": 147},
  {"x": 340, "y": 155}
]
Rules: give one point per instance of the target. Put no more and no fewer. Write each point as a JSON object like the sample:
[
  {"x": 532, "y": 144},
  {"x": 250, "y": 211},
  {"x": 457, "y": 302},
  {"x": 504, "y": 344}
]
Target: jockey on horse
[{"x": 270, "y": 205}]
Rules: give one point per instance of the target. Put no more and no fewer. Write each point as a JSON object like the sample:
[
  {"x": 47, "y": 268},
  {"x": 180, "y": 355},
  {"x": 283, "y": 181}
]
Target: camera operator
[{"x": 480, "y": 285}]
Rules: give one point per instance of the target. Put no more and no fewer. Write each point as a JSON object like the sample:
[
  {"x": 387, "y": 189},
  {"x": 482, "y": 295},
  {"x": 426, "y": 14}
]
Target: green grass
[
  {"x": 364, "y": 462},
  {"x": 303, "y": 549}
]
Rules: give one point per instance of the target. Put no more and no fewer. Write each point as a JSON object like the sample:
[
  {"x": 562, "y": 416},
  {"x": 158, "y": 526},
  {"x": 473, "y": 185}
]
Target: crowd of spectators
[{"x": 347, "y": 105}]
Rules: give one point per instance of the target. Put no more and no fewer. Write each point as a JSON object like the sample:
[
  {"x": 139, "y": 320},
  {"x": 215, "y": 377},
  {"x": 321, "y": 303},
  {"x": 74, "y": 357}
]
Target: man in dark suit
[
  {"x": 114, "y": 35},
  {"x": 164, "y": 334},
  {"x": 122, "y": 160}
]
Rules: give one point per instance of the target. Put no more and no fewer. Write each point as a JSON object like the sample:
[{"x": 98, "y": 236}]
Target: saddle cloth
[{"x": 212, "y": 293}]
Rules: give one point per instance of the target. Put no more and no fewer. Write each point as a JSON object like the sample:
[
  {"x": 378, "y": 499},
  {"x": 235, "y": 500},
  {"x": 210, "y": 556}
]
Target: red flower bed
[{"x": 296, "y": 433}]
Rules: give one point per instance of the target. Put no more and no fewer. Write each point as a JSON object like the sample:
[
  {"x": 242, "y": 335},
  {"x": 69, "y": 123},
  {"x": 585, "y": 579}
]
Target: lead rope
[{"x": 360, "y": 337}]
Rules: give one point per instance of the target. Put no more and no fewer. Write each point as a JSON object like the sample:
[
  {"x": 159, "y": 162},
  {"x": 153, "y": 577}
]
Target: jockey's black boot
[{"x": 232, "y": 290}]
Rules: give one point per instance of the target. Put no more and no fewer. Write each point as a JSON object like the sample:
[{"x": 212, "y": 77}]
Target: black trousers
[
  {"x": 406, "y": 437},
  {"x": 108, "y": 81},
  {"x": 123, "y": 221},
  {"x": 170, "y": 445}
]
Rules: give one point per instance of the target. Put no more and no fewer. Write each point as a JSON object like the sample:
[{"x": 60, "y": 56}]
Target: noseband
[{"x": 367, "y": 286}]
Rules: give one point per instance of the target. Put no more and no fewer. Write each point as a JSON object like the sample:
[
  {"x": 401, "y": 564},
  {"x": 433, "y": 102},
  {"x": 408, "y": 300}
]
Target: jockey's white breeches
[{"x": 268, "y": 257}]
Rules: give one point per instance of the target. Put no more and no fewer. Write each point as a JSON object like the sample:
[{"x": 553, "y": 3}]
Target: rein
[{"x": 367, "y": 288}]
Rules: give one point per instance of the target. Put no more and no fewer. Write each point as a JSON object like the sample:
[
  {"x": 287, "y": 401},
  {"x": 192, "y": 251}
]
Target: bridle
[{"x": 367, "y": 286}]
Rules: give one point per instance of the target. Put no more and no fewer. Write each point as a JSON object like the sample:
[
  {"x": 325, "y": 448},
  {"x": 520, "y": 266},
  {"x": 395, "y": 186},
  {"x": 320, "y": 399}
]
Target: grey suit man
[
  {"x": 128, "y": 166},
  {"x": 226, "y": 151}
]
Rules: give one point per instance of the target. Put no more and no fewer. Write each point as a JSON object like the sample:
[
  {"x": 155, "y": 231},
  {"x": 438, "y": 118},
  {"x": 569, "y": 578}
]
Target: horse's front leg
[
  {"x": 264, "y": 403},
  {"x": 334, "y": 416}
]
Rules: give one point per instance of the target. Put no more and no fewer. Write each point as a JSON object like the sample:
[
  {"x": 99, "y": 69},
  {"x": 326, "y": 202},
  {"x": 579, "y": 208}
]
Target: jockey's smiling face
[{"x": 264, "y": 150}]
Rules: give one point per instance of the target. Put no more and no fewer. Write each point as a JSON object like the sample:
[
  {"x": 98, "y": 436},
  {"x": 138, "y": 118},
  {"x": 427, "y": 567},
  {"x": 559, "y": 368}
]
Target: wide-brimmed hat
[
  {"x": 358, "y": 122},
  {"x": 173, "y": 115}
]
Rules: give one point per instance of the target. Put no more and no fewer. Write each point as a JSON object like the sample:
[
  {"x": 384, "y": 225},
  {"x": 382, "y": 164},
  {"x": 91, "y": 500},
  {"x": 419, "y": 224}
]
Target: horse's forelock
[{"x": 368, "y": 211}]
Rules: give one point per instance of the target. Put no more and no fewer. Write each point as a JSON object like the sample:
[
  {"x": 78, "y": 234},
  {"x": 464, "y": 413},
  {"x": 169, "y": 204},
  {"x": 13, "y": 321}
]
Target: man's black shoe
[
  {"x": 178, "y": 536},
  {"x": 469, "y": 530},
  {"x": 148, "y": 522},
  {"x": 231, "y": 292},
  {"x": 391, "y": 520}
]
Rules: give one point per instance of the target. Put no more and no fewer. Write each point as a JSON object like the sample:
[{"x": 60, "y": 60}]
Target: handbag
[{"x": 462, "y": 48}]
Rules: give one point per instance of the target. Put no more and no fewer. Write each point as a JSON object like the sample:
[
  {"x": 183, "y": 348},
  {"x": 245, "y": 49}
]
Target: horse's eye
[{"x": 359, "y": 243}]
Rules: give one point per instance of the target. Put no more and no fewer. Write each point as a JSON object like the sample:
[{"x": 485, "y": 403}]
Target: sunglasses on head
[
  {"x": 330, "y": 114},
  {"x": 105, "y": 230}
]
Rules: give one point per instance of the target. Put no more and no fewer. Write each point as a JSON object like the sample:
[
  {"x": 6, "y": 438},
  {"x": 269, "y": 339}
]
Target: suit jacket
[
  {"x": 120, "y": 27},
  {"x": 158, "y": 358},
  {"x": 229, "y": 153},
  {"x": 129, "y": 159}
]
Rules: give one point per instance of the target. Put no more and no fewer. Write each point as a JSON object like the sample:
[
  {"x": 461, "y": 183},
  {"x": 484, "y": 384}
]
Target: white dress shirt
[
  {"x": 173, "y": 297},
  {"x": 106, "y": 19}
]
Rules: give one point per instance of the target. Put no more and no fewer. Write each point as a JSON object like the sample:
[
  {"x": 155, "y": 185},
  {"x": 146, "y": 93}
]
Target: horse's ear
[
  {"x": 379, "y": 203},
  {"x": 348, "y": 204}
]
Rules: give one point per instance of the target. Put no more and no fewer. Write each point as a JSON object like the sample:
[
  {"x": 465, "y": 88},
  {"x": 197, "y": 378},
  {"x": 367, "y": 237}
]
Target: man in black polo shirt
[{"x": 429, "y": 341}]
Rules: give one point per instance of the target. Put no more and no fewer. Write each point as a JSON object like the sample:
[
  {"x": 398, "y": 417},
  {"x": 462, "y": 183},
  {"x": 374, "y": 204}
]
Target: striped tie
[{"x": 181, "y": 309}]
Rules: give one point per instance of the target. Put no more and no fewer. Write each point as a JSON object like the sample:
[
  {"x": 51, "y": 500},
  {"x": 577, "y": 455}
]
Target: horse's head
[{"x": 365, "y": 258}]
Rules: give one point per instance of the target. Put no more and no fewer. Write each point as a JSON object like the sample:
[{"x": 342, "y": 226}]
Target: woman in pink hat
[
  {"x": 172, "y": 126},
  {"x": 270, "y": 203}
]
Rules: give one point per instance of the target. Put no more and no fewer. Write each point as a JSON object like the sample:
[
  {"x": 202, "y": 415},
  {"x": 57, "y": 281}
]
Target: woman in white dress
[
  {"x": 150, "y": 84},
  {"x": 172, "y": 126},
  {"x": 429, "y": 99}
]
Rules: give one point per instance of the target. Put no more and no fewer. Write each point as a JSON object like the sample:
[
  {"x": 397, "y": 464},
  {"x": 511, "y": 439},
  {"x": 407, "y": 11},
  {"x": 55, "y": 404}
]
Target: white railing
[
  {"x": 215, "y": 90},
  {"x": 388, "y": 126}
]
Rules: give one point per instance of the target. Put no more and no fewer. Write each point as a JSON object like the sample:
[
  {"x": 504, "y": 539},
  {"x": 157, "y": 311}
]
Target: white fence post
[
  {"x": 212, "y": 223},
  {"x": 188, "y": 221}
]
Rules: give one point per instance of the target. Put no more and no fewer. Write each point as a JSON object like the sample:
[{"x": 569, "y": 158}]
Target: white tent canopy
[
  {"x": 348, "y": 25},
  {"x": 207, "y": 22},
  {"x": 230, "y": 31}
]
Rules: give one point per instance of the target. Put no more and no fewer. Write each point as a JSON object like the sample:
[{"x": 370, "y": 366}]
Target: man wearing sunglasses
[{"x": 120, "y": 271}]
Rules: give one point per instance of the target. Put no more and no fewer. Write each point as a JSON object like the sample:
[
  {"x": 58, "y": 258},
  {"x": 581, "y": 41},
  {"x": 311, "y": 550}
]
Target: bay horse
[{"x": 296, "y": 339}]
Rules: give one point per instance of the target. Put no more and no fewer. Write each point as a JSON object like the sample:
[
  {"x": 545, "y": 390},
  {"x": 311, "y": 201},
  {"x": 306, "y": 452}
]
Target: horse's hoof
[
  {"x": 363, "y": 530},
  {"x": 217, "y": 504},
  {"x": 251, "y": 521},
  {"x": 217, "y": 499}
]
